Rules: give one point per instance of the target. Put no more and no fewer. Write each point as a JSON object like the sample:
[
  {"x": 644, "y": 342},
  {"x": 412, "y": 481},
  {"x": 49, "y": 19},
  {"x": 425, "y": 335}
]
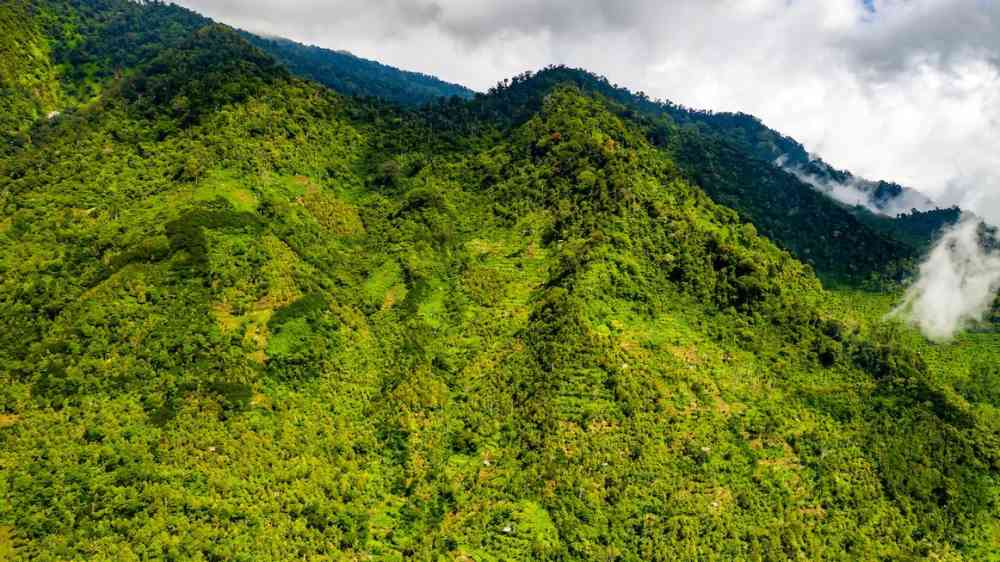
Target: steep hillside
[
  {"x": 917, "y": 228},
  {"x": 817, "y": 229},
  {"x": 92, "y": 44},
  {"x": 59, "y": 55},
  {"x": 89, "y": 42},
  {"x": 28, "y": 85},
  {"x": 353, "y": 75},
  {"x": 263, "y": 320}
]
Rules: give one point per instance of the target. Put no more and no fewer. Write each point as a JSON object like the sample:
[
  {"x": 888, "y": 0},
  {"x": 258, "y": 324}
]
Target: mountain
[
  {"x": 818, "y": 230},
  {"x": 916, "y": 228},
  {"x": 353, "y": 75},
  {"x": 59, "y": 55},
  {"x": 109, "y": 37},
  {"x": 245, "y": 316}
]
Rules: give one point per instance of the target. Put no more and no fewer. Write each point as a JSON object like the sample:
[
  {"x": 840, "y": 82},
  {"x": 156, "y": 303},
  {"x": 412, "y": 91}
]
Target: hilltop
[{"x": 58, "y": 55}]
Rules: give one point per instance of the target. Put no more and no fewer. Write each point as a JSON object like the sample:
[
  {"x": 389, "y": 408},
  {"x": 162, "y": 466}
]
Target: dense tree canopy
[
  {"x": 246, "y": 317},
  {"x": 356, "y": 76}
]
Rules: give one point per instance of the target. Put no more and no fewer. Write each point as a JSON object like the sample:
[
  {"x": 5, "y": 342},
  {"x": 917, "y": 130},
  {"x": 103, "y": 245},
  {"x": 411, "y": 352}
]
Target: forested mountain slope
[
  {"x": 60, "y": 54},
  {"x": 749, "y": 136},
  {"x": 27, "y": 75},
  {"x": 815, "y": 228},
  {"x": 353, "y": 75},
  {"x": 246, "y": 317},
  {"x": 91, "y": 42}
]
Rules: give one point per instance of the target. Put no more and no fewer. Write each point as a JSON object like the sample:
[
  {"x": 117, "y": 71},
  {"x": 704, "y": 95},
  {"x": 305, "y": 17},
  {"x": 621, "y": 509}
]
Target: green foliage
[
  {"x": 28, "y": 86},
  {"x": 292, "y": 324},
  {"x": 730, "y": 156},
  {"x": 213, "y": 68},
  {"x": 94, "y": 41},
  {"x": 917, "y": 228}
]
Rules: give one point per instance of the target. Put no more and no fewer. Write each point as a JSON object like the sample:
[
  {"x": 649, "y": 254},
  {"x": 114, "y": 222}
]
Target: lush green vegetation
[
  {"x": 916, "y": 228},
  {"x": 27, "y": 78},
  {"x": 713, "y": 152},
  {"x": 59, "y": 55},
  {"x": 727, "y": 155},
  {"x": 245, "y": 317}
]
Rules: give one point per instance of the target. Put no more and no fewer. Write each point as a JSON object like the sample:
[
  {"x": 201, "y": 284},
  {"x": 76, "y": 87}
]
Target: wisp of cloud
[
  {"x": 857, "y": 192},
  {"x": 956, "y": 285}
]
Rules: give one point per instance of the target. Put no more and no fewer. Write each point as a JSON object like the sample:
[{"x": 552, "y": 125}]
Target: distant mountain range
[{"x": 352, "y": 75}]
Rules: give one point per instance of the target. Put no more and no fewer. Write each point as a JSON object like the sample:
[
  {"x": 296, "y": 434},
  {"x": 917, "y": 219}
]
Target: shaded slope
[
  {"x": 212, "y": 68},
  {"x": 917, "y": 228},
  {"x": 817, "y": 229},
  {"x": 95, "y": 40},
  {"x": 356, "y": 76}
]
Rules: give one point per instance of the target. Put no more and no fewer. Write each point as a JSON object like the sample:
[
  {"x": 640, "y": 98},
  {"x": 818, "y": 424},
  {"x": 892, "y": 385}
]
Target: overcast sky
[{"x": 905, "y": 90}]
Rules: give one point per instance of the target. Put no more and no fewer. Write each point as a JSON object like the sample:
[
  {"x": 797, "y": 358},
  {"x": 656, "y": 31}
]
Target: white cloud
[
  {"x": 956, "y": 284},
  {"x": 909, "y": 93},
  {"x": 857, "y": 192}
]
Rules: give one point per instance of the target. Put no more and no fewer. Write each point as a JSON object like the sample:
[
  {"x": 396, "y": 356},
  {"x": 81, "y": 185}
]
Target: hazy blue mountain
[{"x": 356, "y": 76}]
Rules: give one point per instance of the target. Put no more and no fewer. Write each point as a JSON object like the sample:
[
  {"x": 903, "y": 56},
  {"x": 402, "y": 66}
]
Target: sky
[{"x": 902, "y": 90}]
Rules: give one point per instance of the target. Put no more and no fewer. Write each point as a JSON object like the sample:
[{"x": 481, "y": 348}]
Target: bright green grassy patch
[
  {"x": 229, "y": 187},
  {"x": 384, "y": 286},
  {"x": 7, "y": 551},
  {"x": 430, "y": 298}
]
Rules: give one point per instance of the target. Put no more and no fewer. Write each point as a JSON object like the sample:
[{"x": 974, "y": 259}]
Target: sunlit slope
[
  {"x": 260, "y": 320},
  {"x": 714, "y": 152},
  {"x": 28, "y": 85}
]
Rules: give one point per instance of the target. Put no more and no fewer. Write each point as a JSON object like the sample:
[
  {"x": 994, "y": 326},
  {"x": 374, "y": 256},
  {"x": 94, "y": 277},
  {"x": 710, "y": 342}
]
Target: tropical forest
[{"x": 262, "y": 300}]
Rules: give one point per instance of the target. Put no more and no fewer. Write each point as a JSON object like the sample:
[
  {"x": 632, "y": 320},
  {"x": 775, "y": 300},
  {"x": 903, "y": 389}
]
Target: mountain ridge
[
  {"x": 121, "y": 37},
  {"x": 816, "y": 228},
  {"x": 363, "y": 76},
  {"x": 94, "y": 42}
]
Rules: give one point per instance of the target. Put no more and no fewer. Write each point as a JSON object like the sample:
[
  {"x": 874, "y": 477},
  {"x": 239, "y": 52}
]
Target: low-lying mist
[
  {"x": 857, "y": 192},
  {"x": 956, "y": 285}
]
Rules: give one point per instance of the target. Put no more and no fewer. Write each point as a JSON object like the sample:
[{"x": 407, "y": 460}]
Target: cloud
[
  {"x": 903, "y": 90},
  {"x": 945, "y": 33},
  {"x": 855, "y": 191},
  {"x": 974, "y": 189},
  {"x": 956, "y": 285}
]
